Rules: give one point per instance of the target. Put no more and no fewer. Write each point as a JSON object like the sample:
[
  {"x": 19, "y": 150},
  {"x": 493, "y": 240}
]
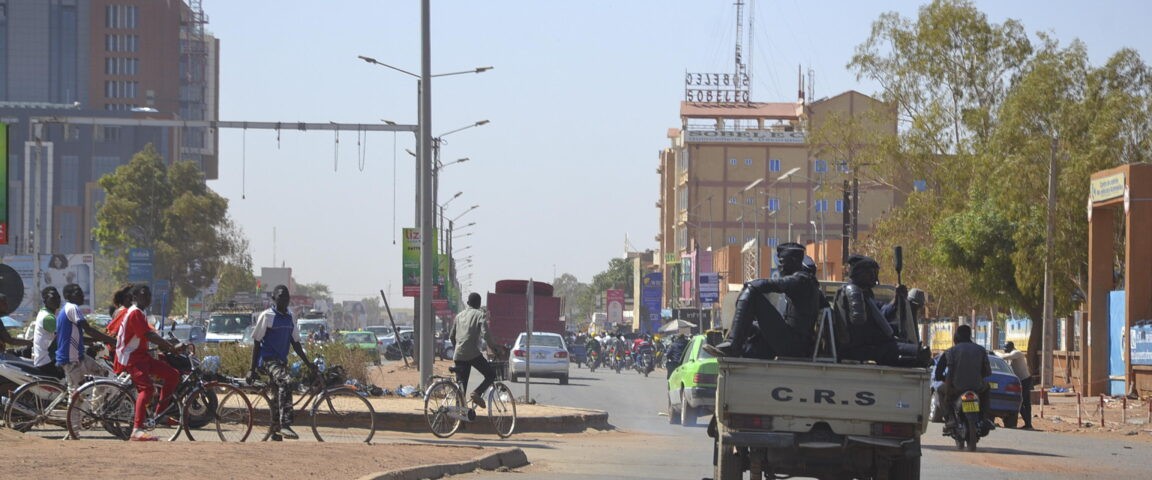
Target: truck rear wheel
[
  {"x": 905, "y": 469},
  {"x": 729, "y": 465}
]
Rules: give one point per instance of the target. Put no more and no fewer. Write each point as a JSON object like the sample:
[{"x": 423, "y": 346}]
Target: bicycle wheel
[
  {"x": 228, "y": 411},
  {"x": 38, "y": 405},
  {"x": 502, "y": 409},
  {"x": 441, "y": 399},
  {"x": 261, "y": 415},
  {"x": 343, "y": 415},
  {"x": 101, "y": 409}
]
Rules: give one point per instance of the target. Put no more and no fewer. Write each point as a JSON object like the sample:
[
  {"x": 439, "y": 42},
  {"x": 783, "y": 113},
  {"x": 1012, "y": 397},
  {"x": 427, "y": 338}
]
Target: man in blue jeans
[
  {"x": 272, "y": 332},
  {"x": 468, "y": 329}
]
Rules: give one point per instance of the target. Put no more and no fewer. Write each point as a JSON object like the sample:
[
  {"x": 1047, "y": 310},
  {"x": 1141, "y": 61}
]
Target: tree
[
  {"x": 170, "y": 210},
  {"x": 579, "y": 303}
]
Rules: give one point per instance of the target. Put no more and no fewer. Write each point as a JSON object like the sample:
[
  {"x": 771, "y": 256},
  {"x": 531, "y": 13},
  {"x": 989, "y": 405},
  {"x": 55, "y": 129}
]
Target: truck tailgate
[{"x": 797, "y": 393}]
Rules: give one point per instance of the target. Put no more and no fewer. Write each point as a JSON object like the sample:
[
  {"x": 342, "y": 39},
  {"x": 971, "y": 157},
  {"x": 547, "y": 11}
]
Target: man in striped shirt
[{"x": 70, "y": 329}]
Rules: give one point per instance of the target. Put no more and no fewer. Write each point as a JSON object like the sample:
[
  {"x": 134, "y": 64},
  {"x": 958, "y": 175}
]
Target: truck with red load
[{"x": 508, "y": 310}]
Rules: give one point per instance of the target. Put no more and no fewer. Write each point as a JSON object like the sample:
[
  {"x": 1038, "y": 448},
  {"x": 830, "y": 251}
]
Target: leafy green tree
[
  {"x": 579, "y": 303},
  {"x": 169, "y": 209}
]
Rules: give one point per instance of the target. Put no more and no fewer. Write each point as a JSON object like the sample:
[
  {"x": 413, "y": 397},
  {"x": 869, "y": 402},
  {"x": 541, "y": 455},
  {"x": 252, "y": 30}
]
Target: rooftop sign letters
[
  {"x": 716, "y": 88},
  {"x": 1108, "y": 187},
  {"x": 746, "y": 136}
]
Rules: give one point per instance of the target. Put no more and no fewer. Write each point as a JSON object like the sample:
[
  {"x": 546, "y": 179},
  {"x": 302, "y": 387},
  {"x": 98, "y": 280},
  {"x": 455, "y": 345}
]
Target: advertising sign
[
  {"x": 614, "y": 300},
  {"x": 140, "y": 265},
  {"x": 709, "y": 289},
  {"x": 651, "y": 294},
  {"x": 55, "y": 270},
  {"x": 410, "y": 263}
]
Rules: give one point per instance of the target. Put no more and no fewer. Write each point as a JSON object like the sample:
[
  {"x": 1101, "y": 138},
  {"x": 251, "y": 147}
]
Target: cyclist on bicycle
[
  {"x": 71, "y": 326},
  {"x": 132, "y": 353},
  {"x": 468, "y": 329},
  {"x": 272, "y": 333}
]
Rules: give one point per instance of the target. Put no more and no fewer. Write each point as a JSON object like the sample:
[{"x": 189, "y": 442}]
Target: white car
[
  {"x": 384, "y": 334},
  {"x": 548, "y": 354}
]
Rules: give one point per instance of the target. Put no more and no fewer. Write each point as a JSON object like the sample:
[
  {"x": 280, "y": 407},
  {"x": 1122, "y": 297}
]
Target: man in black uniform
[
  {"x": 790, "y": 335},
  {"x": 870, "y": 335},
  {"x": 963, "y": 367}
]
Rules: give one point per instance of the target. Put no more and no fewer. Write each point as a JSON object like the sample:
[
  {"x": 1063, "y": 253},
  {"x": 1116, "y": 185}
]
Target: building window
[
  {"x": 820, "y": 166},
  {"x": 732, "y": 162},
  {"x": 71, "y": 132},
  {"x": 731, "y": 239},
  {"x": 839, "y": 206},
  {"x": 772, "y": 242},
  {"x": 773, "y": 204},
  {"x": 107, "y": 134},
  {"x": 774, "y": 165},
  {"x": 748, "y": 162},
  {"x": 821, "y": 205},
  {"x": 732, "y": 201},
  {"x": 70, "y": 180}
]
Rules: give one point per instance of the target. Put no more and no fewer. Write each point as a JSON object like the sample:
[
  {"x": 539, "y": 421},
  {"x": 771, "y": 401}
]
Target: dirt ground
[{"x": 27, "y": 456}]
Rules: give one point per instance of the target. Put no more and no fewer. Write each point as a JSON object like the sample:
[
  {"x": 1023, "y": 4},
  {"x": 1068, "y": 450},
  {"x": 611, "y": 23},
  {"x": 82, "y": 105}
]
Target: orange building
[{"x": 740, "y": 178}]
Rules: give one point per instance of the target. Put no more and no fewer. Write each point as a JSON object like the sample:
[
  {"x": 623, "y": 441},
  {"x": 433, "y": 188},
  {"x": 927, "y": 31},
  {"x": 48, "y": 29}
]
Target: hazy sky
[{"x": 580, "y": 101}]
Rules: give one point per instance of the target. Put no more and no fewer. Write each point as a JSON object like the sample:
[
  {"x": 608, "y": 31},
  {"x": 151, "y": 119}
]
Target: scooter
[
  {"x": 969, "y": 425},
  {"x": 593, "y": 360}
]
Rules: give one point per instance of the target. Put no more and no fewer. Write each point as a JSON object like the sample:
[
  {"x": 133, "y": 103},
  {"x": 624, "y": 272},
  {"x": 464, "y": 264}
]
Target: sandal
[{"x": 142, "y": 436}]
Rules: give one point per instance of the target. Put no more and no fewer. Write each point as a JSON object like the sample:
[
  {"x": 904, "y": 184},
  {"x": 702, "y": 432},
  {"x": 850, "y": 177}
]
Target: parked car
[
  {"x": 364, "y": 340},
  {"x": 549, "y": 357},
  {"x": 692, "y": 385},
  {"x": 190, "y": 334},
  {"x": 403, "y": 341},
  {"x": 1003, "y": 388},
  {"x": 384, "y": 334}
]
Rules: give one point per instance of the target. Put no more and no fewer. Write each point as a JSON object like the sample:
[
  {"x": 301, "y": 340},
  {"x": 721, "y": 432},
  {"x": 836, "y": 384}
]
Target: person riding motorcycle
[
  {"x": 963, "y": 367},
  {"x": 594, "y": 351}
]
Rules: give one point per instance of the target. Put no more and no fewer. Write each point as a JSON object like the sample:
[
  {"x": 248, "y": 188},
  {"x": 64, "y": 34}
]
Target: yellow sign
[{"x": 1108, "y": 187}]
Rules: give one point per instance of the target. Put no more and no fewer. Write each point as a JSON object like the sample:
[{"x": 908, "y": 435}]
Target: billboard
[
  {"x": 56, "y": 270},
  {"x": 410, "y": 263},
  {"x": 614, "y": 303},
  {"x": 651, "y": 296}
]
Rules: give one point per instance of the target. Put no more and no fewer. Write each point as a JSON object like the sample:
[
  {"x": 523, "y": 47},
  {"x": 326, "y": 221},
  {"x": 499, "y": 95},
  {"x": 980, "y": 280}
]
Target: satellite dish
[{"x": 12, "y": 286}]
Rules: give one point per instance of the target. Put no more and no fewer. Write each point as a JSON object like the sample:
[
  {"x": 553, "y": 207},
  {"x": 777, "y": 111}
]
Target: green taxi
[
  {"x": 366, "y": 341},
  {"x": 692, "y": 385}
]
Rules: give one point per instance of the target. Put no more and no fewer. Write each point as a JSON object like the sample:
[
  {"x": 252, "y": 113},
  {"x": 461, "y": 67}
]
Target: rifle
[{"x": 901, "y": 300}]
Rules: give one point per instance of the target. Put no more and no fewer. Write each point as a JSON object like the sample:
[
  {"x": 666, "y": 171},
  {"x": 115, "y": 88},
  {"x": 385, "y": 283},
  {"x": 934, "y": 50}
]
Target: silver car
[{"x": 549, "y": 357}]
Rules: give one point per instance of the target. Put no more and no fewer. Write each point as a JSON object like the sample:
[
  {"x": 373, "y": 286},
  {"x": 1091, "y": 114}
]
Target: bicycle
[
  {"x": 110, "y": 403},
  {"x": 445, "y": 410},
  {"x": 40, "y": 401},
  {"x": 337, "y": 412}
]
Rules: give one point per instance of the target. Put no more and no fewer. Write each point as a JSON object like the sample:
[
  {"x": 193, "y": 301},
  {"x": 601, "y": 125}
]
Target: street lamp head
[
  {"x": 788, "y": 174},
  {"x": 753, "y": 184},
  {"x": 483, "y": 69},
  {"x": 482, "y": 122},
  {"x": 387, "y": 122}
]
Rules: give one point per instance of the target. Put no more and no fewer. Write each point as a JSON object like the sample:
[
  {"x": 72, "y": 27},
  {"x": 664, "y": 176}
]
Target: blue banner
[{"x": 651, "y": 296}]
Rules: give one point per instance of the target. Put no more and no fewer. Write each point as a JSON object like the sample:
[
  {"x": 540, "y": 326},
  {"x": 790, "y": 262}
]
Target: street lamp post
[{"x": 425, "y": 201}]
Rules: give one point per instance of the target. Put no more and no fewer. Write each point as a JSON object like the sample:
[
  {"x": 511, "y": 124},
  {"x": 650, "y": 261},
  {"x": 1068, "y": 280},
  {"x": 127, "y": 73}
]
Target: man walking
[
  {"x": 1019, "y": 362},
  {"x": 468, "y": 329}
]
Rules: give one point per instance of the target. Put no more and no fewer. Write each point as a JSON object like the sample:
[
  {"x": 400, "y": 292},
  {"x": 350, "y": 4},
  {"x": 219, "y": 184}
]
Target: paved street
[{"x": 646, "y": 446}]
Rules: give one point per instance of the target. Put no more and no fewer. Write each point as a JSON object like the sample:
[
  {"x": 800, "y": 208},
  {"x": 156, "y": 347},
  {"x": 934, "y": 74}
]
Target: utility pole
[{"x": 1049, "y": 335}]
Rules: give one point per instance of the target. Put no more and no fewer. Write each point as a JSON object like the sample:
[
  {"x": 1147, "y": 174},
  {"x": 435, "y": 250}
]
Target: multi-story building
[
  {"x": 742, "y": 177},
  {"x": 86, "y": 84}
]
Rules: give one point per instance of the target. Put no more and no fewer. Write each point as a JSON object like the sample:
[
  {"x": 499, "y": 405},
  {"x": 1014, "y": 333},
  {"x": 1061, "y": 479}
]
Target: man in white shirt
[
  {"x": 44, "y": 333},
  {"x": 1019, "y": 363}
]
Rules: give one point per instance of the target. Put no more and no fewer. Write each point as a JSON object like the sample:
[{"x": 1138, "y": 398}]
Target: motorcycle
[
  {"x": 969, "y": 425},
  {"x": 593, "y": 360},
  {"x": 644, "y": 362}
]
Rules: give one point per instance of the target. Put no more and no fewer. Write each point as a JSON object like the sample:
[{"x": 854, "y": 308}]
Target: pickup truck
[{"x": 820, "y": 417}]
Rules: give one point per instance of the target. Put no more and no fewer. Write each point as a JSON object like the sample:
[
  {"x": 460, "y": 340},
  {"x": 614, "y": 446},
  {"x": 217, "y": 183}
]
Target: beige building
[{"x": 740, "y": 178}]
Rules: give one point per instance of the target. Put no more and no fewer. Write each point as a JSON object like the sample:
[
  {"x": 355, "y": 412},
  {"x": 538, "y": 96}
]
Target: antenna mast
[{"x": 741, "y": 70}]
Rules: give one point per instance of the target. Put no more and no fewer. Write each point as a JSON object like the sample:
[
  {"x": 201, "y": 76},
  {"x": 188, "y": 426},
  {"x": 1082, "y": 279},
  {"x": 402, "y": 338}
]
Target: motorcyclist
[
  {"x": 675, "y": 353},
  {"x": 963, "y": 367},
  {"x": 594, "y": 350},
  {"x": 790, "y": 335}
]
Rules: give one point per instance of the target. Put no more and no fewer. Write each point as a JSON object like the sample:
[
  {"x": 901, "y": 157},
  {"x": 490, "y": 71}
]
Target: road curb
[
  {"x": 573, "y": 420},
  {"x": 509, "y": 458}
]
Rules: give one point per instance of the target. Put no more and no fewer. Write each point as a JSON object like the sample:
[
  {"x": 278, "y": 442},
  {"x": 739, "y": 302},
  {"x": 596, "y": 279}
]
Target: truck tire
[
  {"x": 687, "y": 412},
  {"x": 905, "y": 469},
  {"x": 730, "y": 466}
]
